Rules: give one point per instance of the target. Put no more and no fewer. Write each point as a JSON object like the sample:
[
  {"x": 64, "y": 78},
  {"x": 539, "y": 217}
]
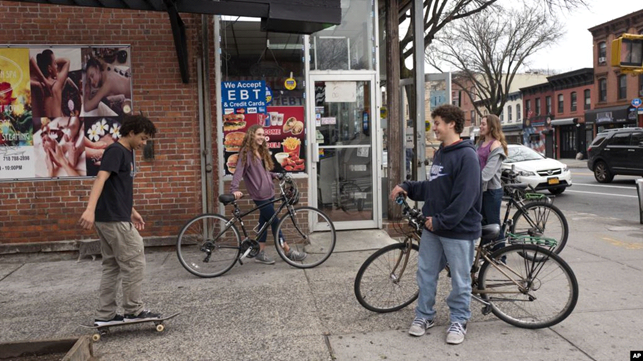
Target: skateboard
[{"x": 103, "y": 330}]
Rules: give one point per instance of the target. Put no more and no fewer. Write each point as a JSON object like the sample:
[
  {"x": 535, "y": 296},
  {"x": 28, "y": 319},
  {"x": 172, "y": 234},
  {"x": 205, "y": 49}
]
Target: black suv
[{"x": 616, "y": 152}]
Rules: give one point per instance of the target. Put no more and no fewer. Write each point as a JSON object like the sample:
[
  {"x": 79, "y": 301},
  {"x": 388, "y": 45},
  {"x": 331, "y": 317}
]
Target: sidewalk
[
  {"x": 574, "y": 163},
  {"x": 260, "y": 312}
]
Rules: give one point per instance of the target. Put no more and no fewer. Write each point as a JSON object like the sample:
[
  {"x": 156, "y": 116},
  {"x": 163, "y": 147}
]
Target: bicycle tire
[
  {"x": 376, "y": 276},
  {"x": 197, "y": 234},
  {"x": 318, "y": 244},
  {"x": 541, "y": 212},
  {"x": 553, "y": 282}
]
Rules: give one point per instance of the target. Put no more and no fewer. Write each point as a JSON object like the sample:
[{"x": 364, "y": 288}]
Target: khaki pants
[{"x": 122, "y": 251}]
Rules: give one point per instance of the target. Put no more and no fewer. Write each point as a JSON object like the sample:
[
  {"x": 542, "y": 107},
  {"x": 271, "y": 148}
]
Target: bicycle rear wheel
[
  {"x": 541, "y": 219},
  {"x": 309, "y": 231},
  {"x": 541, "y": 289},
  {"x": 385, "y": 283},
  {"x": 206, "y": 247}
]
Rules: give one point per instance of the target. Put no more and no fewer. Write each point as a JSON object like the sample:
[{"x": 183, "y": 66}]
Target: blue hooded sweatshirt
[{"x": 452, "y": 195}]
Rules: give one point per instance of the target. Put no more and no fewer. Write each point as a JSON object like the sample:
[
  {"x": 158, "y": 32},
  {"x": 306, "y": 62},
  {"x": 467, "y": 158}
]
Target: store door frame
[{"x": 375, "y": 144}]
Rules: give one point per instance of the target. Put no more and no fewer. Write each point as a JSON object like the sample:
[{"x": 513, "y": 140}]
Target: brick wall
[{"x": 168, "y": 188}]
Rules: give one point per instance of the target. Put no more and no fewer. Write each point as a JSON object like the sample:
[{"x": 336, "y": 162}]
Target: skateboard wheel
[
  {"x": 96, "y": 337},
  {"x": 160, "y": 327}
]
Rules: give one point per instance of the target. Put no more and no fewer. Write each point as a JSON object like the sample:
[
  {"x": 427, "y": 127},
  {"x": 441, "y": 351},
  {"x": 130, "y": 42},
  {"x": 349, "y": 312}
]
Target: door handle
[{"x": 316, "y": 152}]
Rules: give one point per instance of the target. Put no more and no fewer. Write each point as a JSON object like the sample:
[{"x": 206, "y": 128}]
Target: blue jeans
[
  {"x": 491, "y": 209},
  {"x": 435, "y": 252},
  {"x": 265, "y": 214}
]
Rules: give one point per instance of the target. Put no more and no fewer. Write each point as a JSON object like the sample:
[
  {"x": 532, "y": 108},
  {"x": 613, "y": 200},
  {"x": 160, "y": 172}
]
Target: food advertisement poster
[
  {"x": 284, "y": 130},
  {"x": 60, "y": 107}
]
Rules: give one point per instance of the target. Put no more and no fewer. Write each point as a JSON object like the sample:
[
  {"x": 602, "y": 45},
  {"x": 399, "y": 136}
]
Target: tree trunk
[{"x": 394, "y": 126}]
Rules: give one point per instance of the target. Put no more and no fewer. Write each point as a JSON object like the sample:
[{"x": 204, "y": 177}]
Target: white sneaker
[
  {"x": 456, "y": 333},
  {"x": 419, "y": 326}
]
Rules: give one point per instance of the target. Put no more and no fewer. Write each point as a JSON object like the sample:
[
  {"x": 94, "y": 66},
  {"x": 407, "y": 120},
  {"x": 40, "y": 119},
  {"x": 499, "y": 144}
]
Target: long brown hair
[
  {"x": 249, "y": 144},
  {"x": 494, "y": 127}
]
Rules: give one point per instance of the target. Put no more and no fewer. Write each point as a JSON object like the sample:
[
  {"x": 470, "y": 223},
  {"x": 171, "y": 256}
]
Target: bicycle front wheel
[
  {"x": 310, "y": 233},
  {"x": 207, "y": 247},
  {"x": 541, "y": 219},
  {"x": 386, "y": 282},
  {"x": 528, "y": 286}
]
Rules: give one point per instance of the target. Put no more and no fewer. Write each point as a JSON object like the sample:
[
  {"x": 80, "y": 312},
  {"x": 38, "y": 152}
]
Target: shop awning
[
  {"x": 619, "y": 114},
  {"x": 563, "y": 122},
  {"x": 279, "y": 16},
  {"x": 512, "y": 128}
]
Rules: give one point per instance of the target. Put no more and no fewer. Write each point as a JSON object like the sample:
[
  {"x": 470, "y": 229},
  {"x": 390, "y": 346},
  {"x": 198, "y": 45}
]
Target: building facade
[
  {"x": 573, "y": 94},
  {"x": 614, "y": 90},
  {"x": 537, "y": 120},
  {"x": 316, "y": 95}
]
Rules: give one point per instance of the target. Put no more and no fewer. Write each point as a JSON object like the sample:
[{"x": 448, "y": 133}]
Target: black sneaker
[
  {"x": 143, "y": 316},
  {"x": 116, "y": 320}
]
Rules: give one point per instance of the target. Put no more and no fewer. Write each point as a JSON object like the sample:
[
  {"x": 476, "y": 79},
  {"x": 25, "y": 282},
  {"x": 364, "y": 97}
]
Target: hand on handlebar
[
  {"x": 396, "y": 191},
  {"x": 238, "y": 195}
]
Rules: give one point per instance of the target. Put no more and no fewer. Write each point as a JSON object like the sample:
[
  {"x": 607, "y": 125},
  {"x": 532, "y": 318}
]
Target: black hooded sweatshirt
[{"x": 452, "y": 195}]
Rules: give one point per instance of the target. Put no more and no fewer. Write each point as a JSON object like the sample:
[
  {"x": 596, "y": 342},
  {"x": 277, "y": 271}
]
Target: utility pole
[{"x": 395, "y": 142}]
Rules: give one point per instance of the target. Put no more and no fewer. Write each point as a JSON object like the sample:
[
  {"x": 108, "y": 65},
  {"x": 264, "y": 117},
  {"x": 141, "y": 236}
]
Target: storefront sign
[
  {"x": 284, "y": 130},
  {"x": 51, "y": 131},
  {"x": 290, "y": 83},
  {"x": 247, "y": 95},
  {"x": 343, "y": 92}
]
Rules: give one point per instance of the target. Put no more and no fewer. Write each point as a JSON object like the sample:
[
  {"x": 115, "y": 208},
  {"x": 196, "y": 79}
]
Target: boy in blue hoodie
[{"x": 452, "y": 207}]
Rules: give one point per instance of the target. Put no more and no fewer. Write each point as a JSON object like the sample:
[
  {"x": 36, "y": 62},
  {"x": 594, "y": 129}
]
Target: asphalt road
[{"x": 617, "y": 199}]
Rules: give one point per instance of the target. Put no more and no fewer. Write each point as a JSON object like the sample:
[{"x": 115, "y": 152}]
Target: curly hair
[
  {"x": 137, "y": 124},
  {"x": 249, "y": 144},
  {"x": 449, "y": 113}
]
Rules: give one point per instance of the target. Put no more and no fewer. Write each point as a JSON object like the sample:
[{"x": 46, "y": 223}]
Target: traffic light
[{"x": 627, "y": 53}]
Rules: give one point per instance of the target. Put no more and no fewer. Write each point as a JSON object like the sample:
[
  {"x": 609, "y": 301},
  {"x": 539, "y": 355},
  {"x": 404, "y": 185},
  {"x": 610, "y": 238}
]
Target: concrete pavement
[{"x": 260, "y": 312}]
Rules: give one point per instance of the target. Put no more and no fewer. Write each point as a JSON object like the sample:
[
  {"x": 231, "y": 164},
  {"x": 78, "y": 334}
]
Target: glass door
[{"x": 343, "y": 138}]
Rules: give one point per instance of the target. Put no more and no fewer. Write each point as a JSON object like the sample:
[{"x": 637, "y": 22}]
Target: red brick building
[
  {"x": 168, "y": 188},
  {"x": 537, "y": 115},
  {"x": 614, "y": 90},
  {"x": 573, "y": 94}
]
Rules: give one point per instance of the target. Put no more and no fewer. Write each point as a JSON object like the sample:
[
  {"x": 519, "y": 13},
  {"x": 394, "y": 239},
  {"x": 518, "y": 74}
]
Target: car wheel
[
  {"x": 602, "y": 173},
  {"x": 557, "y": 191}
]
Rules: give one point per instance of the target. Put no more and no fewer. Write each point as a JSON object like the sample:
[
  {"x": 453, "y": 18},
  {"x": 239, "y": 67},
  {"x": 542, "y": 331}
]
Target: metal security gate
[{"x": 567, "y": 142}]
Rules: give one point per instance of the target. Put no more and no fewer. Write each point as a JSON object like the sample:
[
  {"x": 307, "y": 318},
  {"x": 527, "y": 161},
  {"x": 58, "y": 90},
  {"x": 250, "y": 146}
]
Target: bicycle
[
  {"x": 524, "y": 284},
  {"x": 536, "y": 216},
  {"x": 209, "y": 245}
]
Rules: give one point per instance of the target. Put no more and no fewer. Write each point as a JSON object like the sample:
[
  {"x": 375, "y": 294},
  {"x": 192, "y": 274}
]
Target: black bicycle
[
  {"x": 536, "y": 216},
  {"x": 210, "y": 244}
]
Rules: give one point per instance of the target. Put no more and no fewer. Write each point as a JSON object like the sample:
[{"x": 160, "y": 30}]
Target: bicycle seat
[
  {"x": 226, "y": 198},
  {"x": 490, "y": 232},
  {"x": 520, "y": 186}
]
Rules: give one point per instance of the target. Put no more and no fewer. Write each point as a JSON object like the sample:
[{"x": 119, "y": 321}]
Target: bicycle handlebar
[{"x": 416, "y": 217}]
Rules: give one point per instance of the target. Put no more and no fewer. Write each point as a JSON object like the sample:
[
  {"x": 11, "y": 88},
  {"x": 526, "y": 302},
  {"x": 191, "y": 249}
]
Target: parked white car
[{"x": 536, "y": 170}]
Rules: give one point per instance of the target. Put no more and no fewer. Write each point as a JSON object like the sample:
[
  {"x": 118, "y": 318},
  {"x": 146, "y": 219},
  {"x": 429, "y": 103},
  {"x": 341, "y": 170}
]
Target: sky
[{"x": 575, "y": 49}]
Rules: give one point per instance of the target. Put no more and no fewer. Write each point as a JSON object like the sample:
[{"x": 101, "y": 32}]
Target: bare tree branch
[{"x": 488, "y": 49}]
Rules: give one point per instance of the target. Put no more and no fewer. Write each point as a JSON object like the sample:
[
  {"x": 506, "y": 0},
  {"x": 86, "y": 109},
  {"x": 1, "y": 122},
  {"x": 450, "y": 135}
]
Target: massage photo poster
[
  {"x": 60, "y": 107},
  {"x": 244, "y": 104}
]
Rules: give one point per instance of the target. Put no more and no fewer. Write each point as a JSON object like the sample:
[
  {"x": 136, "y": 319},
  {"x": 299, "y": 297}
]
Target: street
[{"x": 617, "y": 199}]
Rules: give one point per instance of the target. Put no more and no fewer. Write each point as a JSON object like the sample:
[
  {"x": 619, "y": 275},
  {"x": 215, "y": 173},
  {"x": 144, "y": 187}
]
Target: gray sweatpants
[{"x": 122, "y": 251}]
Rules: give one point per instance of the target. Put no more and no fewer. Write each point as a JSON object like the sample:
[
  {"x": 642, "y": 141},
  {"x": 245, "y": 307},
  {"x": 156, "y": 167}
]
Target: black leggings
[{"x": 265, "y": 214}]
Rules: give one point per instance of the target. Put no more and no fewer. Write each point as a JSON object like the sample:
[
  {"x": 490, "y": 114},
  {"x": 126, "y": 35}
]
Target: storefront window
[
  {"x": 262, "y": 83},
  {"x": 350, "y": 45}
]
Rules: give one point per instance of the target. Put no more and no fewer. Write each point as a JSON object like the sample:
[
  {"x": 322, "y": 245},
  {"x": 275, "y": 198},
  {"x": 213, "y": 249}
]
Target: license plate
[{"x": 553, "y": 181}]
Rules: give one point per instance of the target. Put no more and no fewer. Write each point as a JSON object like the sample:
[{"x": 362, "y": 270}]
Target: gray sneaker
[
  {"x": 456, "y": 333},
  {"x": 295, "y": 255},
  {"x": 263, "y": 258},
  {"x": 419, "y": 326}
]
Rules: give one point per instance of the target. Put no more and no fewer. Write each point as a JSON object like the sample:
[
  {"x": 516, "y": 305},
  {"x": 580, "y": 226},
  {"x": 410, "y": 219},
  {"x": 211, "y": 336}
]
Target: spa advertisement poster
[{"x": 60, "y": 107}]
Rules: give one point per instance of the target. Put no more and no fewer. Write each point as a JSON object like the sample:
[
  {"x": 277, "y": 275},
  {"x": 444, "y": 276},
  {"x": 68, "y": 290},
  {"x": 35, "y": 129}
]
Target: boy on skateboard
[{"x": 110, "y": 209}]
